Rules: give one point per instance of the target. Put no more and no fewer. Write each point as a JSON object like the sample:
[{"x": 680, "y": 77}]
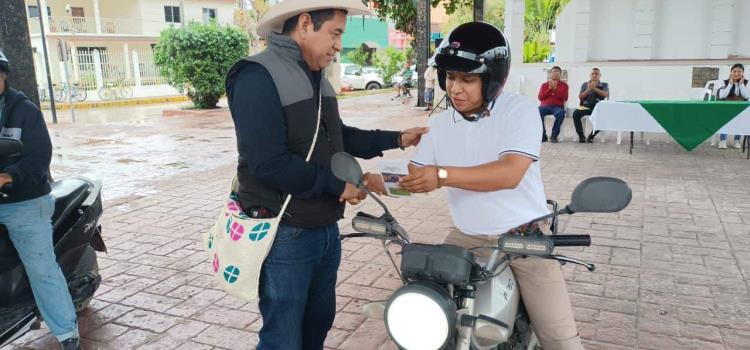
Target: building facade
[{"x": 108, "y": 42}]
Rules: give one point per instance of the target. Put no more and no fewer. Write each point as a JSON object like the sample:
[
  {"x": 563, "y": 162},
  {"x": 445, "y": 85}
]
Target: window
[
  {"x": 208, "y": 15},
  {"x": 172, "y": 14},
  {"x": 350, "y": 70},
  {"x": 34, "y": 11}
]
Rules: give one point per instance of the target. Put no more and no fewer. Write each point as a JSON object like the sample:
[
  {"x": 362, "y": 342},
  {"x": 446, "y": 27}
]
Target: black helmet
[
  {"x": 4, "y": 63},
  {"x": 479, "y": 48}
]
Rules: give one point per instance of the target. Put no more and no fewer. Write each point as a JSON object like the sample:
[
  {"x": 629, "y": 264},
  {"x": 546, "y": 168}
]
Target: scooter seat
[{"x": 68, "y": 194}]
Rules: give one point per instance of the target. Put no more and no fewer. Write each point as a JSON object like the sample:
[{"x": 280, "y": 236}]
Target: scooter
[
  {"x": 449, "y": 299},
  {"x": 77, "y": 238}
]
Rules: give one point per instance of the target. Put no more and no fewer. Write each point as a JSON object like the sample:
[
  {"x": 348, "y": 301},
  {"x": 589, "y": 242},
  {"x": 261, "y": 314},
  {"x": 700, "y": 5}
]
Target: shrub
[{"x": 195, "y": 59}]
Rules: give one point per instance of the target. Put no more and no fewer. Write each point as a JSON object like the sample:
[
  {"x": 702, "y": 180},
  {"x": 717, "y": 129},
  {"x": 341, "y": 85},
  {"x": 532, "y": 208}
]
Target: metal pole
[
  {"x": 71, "y": 103},
  {"x": 50, "y": 92},
  {"x": 68, "y": 86}
]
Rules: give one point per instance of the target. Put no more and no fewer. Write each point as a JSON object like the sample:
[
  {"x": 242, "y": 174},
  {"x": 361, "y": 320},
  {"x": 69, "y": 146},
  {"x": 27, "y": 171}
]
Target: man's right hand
[
  {"x": 5, "y": 179},
  {"x": 352, "y": 194},
  {"x": 553, "y": 84},
  {"x": 592, "y": 84}
]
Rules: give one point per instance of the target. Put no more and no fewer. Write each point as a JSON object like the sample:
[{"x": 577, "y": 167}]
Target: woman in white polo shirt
[{"x": 485, "y": 150}]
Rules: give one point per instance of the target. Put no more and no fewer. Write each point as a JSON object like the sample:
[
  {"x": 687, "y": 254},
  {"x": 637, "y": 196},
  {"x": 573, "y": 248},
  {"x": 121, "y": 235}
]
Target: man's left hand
[
  {"x": 374, "y": 183},
  {"x": 411, "y": 137},
  {"x": 421, "y": 179}
]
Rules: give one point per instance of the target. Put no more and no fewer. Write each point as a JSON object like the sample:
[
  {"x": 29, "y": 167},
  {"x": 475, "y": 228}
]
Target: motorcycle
[
  {"x": 77, "y": 238},
  {"x": 449, "y": 299}
]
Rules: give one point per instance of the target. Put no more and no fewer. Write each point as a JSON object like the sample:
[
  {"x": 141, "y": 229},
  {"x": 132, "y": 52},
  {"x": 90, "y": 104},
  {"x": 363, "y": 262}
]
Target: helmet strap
[{"x": 483, "y": 112}]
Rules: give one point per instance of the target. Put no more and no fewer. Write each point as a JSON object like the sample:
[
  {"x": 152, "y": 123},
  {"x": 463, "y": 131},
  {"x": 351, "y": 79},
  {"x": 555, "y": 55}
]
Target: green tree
[
  {"x": 404, "y": 12},
  {"x": 195, "y": 59},
  {"x": 390, "y": 61},
  {"x": 540, "y": 18},
  {"x": 360, "y": 56},
  {"x": 494, "y": 14}
]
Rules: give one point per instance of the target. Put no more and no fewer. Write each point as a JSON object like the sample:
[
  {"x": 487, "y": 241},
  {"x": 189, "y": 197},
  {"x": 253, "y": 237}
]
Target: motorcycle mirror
[
  {"x": 600, "y": 195},
  {"x": 346, "y": 168},
  {"x": 10, "y": 146}
]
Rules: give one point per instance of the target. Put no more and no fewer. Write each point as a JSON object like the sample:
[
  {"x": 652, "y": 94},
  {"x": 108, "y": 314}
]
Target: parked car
[{"x": 366, "y": 78}]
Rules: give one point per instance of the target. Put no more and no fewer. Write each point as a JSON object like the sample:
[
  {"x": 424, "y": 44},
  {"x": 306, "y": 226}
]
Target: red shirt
[{"x": 554, "y": 97}]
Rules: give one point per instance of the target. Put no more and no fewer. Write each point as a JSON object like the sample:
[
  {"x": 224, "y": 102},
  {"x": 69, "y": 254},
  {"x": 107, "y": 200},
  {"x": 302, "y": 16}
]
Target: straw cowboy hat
[{"x": 273, "y": 20}]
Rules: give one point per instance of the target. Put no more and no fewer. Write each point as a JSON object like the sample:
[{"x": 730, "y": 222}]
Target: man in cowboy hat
[{"x": 275, "y": 98}]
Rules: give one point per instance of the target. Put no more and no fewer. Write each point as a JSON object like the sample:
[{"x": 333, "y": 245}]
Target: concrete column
[
  {"x": 723, "y": 28},
  {"x": 645, "y": 21},
  {"x": 98, "y": 69},
  {"x": 126, "y": 58},
  {"x": 514, "y": 28},
  {"x": 582, "y": 30},
  {"x": 97, "y": 17},
  {"x": 136, "y": 69}
]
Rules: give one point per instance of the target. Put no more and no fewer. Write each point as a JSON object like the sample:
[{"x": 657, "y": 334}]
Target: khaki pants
[{"x": 543, "y": 291}]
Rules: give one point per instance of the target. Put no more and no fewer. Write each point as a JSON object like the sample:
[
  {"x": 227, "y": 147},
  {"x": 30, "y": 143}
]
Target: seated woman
[{"x": 734, "y": 89}]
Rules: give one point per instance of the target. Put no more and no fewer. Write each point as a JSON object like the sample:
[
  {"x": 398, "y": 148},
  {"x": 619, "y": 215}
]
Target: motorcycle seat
[{"x": 68, "y": 195}]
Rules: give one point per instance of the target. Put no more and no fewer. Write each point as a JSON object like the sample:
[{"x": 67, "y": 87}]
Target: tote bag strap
[{"x": 310, "y": 152}]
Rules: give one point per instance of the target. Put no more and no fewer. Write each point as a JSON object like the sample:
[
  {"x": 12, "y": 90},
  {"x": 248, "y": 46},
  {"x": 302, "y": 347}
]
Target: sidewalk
[{"x": 672, "y": 269}]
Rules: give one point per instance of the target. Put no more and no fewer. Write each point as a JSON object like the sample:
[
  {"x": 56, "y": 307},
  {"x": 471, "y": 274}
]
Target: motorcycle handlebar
[{"x": 571, "y": 240}]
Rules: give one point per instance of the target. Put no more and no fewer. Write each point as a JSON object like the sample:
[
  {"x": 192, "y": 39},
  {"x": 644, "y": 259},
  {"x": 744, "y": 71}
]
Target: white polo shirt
[{"x": 513, "y": 126}]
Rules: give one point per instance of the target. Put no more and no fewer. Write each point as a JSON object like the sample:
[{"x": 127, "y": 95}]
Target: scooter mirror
[
  {"x": 600, "y": 195},
  {"x": 10, "y": 146},
  {"x": 346, "y": 168}
]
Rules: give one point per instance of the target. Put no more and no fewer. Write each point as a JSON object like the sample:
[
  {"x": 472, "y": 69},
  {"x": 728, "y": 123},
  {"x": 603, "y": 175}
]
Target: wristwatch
[{"x": 442, "y": 176}]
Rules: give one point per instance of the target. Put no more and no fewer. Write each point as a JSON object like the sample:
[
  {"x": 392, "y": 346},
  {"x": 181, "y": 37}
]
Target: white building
[
  {"x": 112, "y": 40},
  {"x": 646, "y": 49}
]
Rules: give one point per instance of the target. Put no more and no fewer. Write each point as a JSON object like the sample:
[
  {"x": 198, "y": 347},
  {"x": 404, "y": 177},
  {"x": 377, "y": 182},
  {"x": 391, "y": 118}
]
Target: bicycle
[
  {"x": 61, "y": 94},
  {"x": 118, "y": 90}
]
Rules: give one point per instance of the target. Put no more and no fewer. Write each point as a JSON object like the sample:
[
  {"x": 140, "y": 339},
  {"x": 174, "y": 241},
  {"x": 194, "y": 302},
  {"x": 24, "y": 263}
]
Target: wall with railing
[{"x": 99, "y": 66}]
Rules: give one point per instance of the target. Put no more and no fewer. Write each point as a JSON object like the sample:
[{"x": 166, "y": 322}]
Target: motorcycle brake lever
[{"x": 591, "y": 267}]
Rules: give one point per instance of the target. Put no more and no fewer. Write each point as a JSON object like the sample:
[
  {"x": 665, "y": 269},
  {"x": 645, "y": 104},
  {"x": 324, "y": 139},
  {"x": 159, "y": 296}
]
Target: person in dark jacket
[
  {"x": 274, "y": 98},
  {"x": 27, "y": 210}
]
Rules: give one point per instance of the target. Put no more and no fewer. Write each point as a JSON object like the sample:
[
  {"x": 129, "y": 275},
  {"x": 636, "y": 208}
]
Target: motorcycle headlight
[{"x": 421, "y": 316}]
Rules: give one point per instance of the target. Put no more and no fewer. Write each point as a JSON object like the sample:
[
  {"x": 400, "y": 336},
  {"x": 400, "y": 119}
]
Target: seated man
[
  {"x": 402, "y": 87},
  {"x": 553, "y": 95},
  {"x": 592, "y": 92}
]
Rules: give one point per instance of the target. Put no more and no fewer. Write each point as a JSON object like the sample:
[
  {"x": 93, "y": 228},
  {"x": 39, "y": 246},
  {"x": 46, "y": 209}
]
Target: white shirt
[
  {"x": 740, "y": 90},
  {"x": 513, "y": 126}
]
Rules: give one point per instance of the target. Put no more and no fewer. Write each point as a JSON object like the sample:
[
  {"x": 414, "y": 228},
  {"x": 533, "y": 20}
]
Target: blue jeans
[
  {"x": 558, "y": 112},
  {"x": 29, "y": 224},
  {"x": 298, "y": 288},
  {"x": 723, "y": 137},
  {"x": 429, "y": 94}
]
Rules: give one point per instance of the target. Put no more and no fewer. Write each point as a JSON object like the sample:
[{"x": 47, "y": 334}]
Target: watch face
[{"x": 442, "y": 173}]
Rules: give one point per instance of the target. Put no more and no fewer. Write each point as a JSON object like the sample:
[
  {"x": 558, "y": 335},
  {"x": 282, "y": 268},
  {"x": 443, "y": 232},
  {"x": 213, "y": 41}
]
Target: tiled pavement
[{"x": 672, "y": 269}]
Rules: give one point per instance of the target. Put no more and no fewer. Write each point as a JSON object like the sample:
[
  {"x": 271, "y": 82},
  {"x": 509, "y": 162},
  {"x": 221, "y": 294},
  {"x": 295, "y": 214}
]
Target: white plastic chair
[{"x": 710, "y": 93}]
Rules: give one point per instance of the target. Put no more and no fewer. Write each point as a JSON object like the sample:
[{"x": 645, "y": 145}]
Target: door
[{"x": 79, "y": 20}]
